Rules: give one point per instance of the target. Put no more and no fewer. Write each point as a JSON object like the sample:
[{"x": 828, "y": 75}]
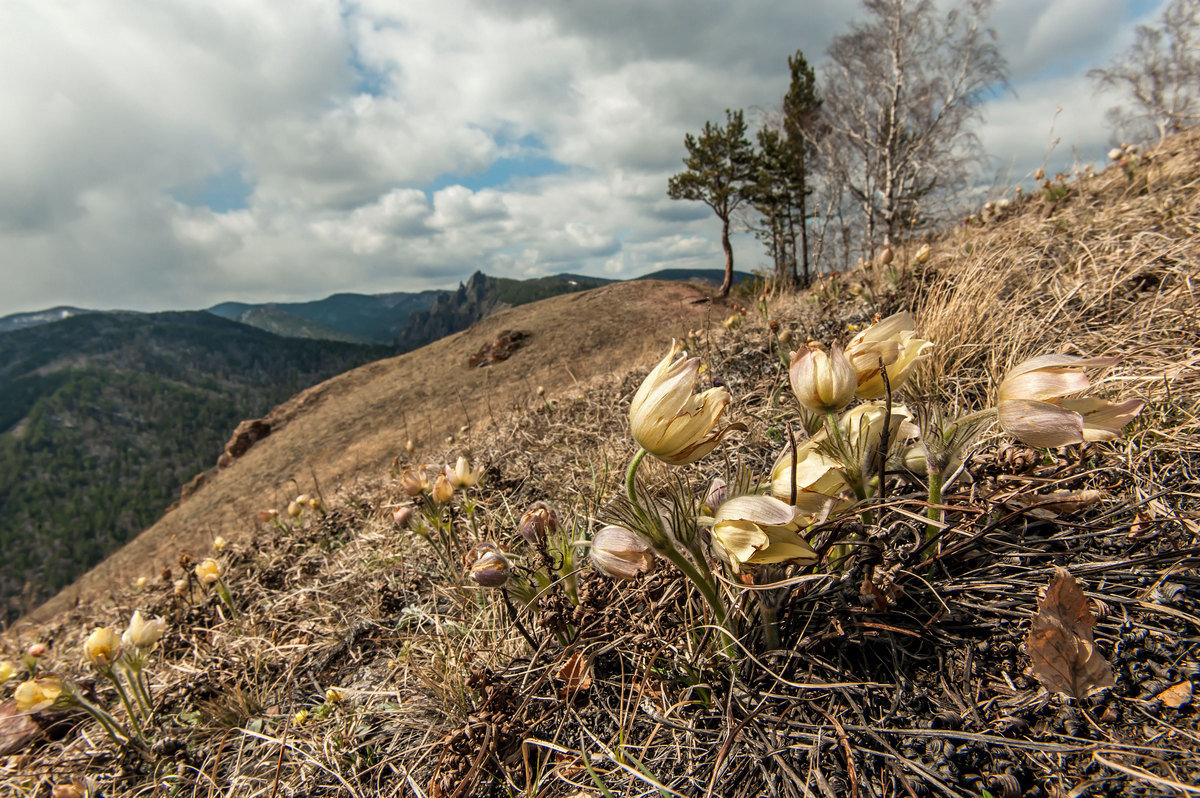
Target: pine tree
[{"x": 719, "y": 165}]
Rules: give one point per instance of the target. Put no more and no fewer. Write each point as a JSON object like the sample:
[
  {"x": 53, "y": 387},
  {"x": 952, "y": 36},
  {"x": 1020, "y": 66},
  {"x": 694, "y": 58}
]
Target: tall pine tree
[{"x": 719, "y": 165}]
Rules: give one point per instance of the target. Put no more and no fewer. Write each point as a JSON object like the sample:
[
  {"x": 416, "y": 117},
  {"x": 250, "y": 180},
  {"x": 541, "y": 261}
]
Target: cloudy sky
[{"x": 164, "y": 154}]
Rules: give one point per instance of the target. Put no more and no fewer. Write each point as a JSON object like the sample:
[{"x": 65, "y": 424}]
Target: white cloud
[{"x": 381, "y": 142}]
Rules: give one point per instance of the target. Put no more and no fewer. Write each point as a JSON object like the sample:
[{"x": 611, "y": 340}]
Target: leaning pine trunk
[{"x": 728, "y": 284}]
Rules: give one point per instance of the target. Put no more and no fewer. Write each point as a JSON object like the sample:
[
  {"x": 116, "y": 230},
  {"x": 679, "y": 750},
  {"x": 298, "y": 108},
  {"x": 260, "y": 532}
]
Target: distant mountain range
[{"x": 403, "y": 319}]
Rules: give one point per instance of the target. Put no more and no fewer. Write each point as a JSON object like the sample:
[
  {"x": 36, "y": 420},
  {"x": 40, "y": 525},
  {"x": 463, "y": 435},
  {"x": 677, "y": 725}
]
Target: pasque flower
[
  {"x": 761, "y": 530},
  {"x": 895, "y": 341},
  {"x": 621, "y": 553},
  {"x": 102, "y": 647},
  {"x": 1033, "y": 404},
  {"x": 37, "y": 694},
  {"x": 208, "y": 571},
  {"x": 668, "y": 420},
  {"x": 824, "y": 383},
  {"x": 462, "y": 475},
  {"x": 142, "y": 634},
  {"x": 814, "y": 472}
]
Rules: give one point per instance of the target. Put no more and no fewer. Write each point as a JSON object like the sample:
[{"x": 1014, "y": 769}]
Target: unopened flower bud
[
  {"x": 538, "y": 522},
  {"x": 316, "y": 505},
  {"x": 7, "y": 671},
  {"x": 303, "y": 499},
  {"x": 414, "y": 482},
  {"x": 334, "y": 696},
  {"x": 923, "y": 253},
  {"x": 718, "y": 492},
  {"x": 294, "y": 510},
  {"x": 621, "y": 554},
  {"x": 1039, "y": 174},
  {"x": 267, "y": 516},
  {"x": 300, "y": 718},
  {"x": 141, "y": 583},
  {"x": 180, "y": 587},
  {"x": 491, "y": 569},
  {"x": 37, "y": 650},
  {"x": 409, "y": 446},
  {"x": 218, "y": 543},
  {"x": 541, "y": 390},
  {"x": 402, "y": 514},
  {"x": 442, "y": 491}
]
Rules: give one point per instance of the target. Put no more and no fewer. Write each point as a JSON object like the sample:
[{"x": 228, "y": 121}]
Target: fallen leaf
[
  {"x": 1176, "y": 696},
  {"x": 1065, "y": 658},
  {"x": 577, "y": 675},
  {"x": 17, "y": 729}
]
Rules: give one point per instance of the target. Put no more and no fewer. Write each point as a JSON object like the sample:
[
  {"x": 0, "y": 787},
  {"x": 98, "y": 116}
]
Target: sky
[{"x": 172, "y": 154}]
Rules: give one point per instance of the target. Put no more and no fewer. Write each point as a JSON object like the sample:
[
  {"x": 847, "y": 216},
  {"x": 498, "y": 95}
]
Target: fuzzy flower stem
[
  {"x": 110, "y": 724},
  {"x": 707, "y": 585},
  {"x": 935, "y": 497},
  {"x": 112, "y": 676}
]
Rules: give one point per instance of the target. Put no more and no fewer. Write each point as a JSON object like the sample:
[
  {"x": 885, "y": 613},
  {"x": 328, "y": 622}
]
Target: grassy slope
[{"x": 928, "y": 696}]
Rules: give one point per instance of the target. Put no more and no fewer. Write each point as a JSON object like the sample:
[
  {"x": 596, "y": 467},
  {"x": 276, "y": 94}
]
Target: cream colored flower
[
  {"x": 415, "y": 481},
  {"x": 760, "y": 530},
  {"x": 893, "y": 339},
  {"x": 102, "y": 647},
  {"x": 208, "y": 571},
  {"x": 219, "y": 543},
  {"x": 923, "y": 253},
  {"x": 142, "y": 634},
  {"x": 462, "y": 475},
  {"x": 824, "y": 383},
  {"x": 621, "y": 554},
  {"x": 36, "y": 695},
  {"x": 815, "y": 472},
  {"x": 671, "y": 423},
  {"x": 7, "y": 671},
  {"x": 141, "y": 582},
  {"x": 1033, "y": 406}
]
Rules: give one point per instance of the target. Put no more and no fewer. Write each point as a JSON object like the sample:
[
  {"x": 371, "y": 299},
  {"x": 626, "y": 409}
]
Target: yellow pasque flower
[
  {"x": 621, "y": 554},
  {"x": 219, "y": 543},
  {"x": 1033, "y": 406},
  {"x": 334, "y": 696},
  {"x": 759, "y": 530},
  {"x": 671, "y": 423},
  {"x": 37, "y": 694},
  {"x": 102, "y": 647},
  {"x": 815, "y": 472},
  {"x": 300, "y": 718},
  {"x": 893, "y": 339},
  {"x": 142, "y": 634},
  {"x": 824, "y": 383},
  {"x": 208, "y": 571},
  {"x": 7, "y": 671}
]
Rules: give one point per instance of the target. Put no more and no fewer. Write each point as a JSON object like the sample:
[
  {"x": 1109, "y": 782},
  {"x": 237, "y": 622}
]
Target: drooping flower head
[
  {"x": 672, "y": 423},
  {"x": 1034, "y": 407}
]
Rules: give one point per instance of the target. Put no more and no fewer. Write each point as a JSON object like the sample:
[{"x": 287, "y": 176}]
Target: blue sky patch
[{"x": 221, "y": 192}]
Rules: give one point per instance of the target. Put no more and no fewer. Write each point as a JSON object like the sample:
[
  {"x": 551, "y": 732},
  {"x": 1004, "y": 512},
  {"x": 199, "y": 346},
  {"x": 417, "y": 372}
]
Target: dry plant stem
[
  {"x": 704, "y": 582},
  {"x": 770, "y": 624}
]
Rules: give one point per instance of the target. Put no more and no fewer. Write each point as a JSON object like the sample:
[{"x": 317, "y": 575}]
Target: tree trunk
[
  {"x": 804, "y": 235},
  {"x": 728, "y": 284}
]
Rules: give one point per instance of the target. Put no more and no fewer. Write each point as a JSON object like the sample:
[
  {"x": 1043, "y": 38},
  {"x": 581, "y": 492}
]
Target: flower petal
[
  {"x": 1040, "y": 424},
  {"x": 1104, "y": 420}
]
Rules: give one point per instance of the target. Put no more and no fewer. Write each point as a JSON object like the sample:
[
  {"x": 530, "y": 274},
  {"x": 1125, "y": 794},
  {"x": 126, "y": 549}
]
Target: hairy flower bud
[
  {"x": 402, "y": 515},
  {"x": 824, "y": 383},
  {"x": 538, "y": 522},
  {"x": 443, "y": 490},
  {"x": 491, "y": 569},
  {"x": 621, "y": 554}
]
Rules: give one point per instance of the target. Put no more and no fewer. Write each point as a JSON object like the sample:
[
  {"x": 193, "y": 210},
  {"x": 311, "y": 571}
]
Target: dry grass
[{"x": 926, "y": 696}]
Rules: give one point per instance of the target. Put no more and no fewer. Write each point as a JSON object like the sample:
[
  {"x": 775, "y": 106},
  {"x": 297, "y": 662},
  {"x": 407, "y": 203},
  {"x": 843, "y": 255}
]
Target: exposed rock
[
  {"x": 247, "y": 434},
  {"x": 499, "y": 348}
]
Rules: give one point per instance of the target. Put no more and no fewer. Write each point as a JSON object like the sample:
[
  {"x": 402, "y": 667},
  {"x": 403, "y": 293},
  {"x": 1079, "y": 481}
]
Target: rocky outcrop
[{"x": 246, "y": 435}]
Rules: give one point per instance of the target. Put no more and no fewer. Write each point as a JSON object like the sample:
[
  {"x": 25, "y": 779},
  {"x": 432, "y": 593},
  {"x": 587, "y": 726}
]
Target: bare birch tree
[
  {"x": 1159, "y": 74},
  {"x": 902, "y": 92}
]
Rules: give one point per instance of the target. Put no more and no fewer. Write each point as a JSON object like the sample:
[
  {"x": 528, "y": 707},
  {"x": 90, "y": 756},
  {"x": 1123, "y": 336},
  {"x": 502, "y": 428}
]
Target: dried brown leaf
[
  {"x": 1177, "y": 695},
  {"x": 1065, "y": 658},
  {"x": 577, "y": 673},
  {"x": 1052, "y": 505},
  {"x": 17, "y": 729}
]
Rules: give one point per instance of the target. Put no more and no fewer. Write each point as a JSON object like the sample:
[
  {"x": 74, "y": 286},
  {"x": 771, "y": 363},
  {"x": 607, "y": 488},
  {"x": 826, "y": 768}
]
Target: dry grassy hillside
[{"x": 355, "y": 655}]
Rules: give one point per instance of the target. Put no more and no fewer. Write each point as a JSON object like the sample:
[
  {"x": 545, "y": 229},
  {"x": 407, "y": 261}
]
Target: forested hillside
[{"x": 104, "y": 416}]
